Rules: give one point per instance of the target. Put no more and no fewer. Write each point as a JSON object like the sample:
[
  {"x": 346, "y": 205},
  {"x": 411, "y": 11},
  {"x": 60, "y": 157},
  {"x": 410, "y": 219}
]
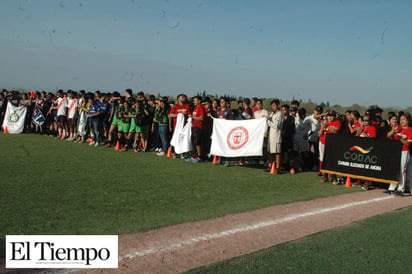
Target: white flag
[
  {"x": 182, "y": 136},
  {"x": 14, "y": 118},
  {"x": 238, "y": 138},
  {"x": 81, "y": 127}
]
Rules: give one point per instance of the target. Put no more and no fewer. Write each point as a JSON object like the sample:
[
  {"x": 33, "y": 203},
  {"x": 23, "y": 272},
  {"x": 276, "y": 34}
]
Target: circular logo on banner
[
  {"x": 237, "y": 137},
  {"x": 14, "y": 117}
]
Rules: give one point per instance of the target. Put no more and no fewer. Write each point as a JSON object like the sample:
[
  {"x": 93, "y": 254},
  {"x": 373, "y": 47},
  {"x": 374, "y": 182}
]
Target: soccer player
[
  {"x": 330, "y": 126},
  {"x": 139, "y": 115},
  {"x": 113, "y": 116},
  {"x": 225, "y": 112},
  {"x": 104, "y": 115},
  {"x": 354, "y": 122},
  {"x": 301, "y": 144},
  {"x": 51, "y": 116},
  {"x": 181, "y": 107},
  {"x": 61, "y": 114},
  {"x": 161, "y": 117},
  {"x": 197, "y": 128},
  {"x": 313, "y": 134},
  {"x": 125, "y": 114},
  {"x": 404, "y": 134},
  {"x": 72, "y": 114},
  {"x": 94, "y": 115},
  {"x": 253, "y": 103},
  {"x": 39, "y": 103},
  {"x": 207, "y": 128},
  {"x": 366, "y": 130}
]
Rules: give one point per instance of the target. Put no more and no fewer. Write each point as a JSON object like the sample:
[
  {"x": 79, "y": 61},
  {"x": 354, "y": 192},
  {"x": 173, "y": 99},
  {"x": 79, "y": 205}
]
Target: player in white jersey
[
  {"x": 61, "y": 114},
  {"x": 72, "y": 114}
]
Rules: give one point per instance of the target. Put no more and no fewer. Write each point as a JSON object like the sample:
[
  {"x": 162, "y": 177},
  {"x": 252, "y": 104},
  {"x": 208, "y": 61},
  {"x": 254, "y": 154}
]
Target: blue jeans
[
  {"x": 95, "y": 129},
  {"x": 163, "y": 132}
]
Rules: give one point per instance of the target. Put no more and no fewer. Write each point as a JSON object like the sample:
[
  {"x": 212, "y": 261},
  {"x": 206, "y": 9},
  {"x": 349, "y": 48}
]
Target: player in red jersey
[
  {"x": 366, "y": 130},
  {"x": 330, "y": 126},
  {"x": 253, "y": 103},
  {"x": 353, "y": 122},
  {"x": 197, "y": 128},
  {"x": 394, "y": 127},
  {"x": 403, "y": 133},
  {"x": 181, "y": 107}
]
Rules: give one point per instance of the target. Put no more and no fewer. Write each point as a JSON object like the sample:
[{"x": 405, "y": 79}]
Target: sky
[{"x": 338, "y": 51}]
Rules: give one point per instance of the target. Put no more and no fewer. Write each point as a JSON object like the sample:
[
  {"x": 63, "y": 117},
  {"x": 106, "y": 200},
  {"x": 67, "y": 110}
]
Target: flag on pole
[
  {"x": 38, "y": 117},
  {"x": 14, "y": 118},
  {"x": 238, "y": 138}
]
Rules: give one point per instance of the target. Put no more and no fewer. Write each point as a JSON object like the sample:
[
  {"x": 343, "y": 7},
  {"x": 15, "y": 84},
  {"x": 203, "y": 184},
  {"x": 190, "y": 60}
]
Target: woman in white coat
[{"x": 275, "y": 123}]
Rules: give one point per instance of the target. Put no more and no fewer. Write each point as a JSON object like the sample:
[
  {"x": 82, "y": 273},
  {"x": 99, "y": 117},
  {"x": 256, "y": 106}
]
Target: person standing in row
[{"x": 275, "y": 124}]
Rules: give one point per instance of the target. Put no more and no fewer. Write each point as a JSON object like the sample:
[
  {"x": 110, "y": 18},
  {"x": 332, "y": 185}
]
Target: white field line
[{"x": 139, "y": 253}]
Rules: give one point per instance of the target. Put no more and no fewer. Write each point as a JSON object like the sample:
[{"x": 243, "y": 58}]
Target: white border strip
[{"x": 139, "y": 253}]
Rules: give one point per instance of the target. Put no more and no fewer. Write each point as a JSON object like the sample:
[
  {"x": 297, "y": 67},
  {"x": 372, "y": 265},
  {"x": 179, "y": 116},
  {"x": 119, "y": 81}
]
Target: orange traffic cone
[
  {"x": 169, "y": 152},
  {"x": 214, "y": 159},
  {"x": 117, "y": 147},
  {"x": 91, "y": 141},
  {"x": 273, "y": 169},
  {"x": 348, "y": 182},
  {"x": 6, "y": 131}
]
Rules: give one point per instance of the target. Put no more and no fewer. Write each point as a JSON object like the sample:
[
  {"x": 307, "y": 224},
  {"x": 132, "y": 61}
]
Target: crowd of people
[{"x": 294, "y": 140}]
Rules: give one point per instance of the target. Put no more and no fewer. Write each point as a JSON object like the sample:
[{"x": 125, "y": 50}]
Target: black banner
[{"x": 363, "y": 158}]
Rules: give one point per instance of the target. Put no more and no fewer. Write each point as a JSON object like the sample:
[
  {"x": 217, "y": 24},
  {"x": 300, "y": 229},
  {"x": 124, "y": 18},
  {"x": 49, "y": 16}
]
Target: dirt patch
[{"x": 182, "y": 247}]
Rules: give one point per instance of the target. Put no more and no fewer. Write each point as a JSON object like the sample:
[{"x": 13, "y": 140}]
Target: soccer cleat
[
  {"x": 292, "y": 171},
  {"x": 336, "y": 182},
  {"x": 389, "y": 191},
  {"x": 324, "y": 180},
  {"x": 162, "y": 153},
  {"x": 109, "y": 145},
  {"x": 96, "y": 144}
]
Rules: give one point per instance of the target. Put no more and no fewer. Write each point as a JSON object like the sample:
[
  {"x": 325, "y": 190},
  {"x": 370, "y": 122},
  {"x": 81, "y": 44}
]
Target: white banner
[
  {"x": 14, "y": 118},
  {"x": 182, "y": 136},
  {"x": 238, "y": 138},
  {"x": 61, "y": 251}
]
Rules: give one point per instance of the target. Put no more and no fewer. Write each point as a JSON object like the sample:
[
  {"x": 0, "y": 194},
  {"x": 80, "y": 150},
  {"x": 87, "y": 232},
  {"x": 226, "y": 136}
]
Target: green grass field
[
  {"x": 381, "y": 244},
  {"x": 49, "y": 186}
]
